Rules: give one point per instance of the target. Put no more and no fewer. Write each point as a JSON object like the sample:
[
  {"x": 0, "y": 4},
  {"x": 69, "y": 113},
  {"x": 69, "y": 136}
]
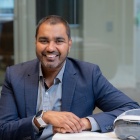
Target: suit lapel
[
  {"x": 68, "y": 88},
  {"x": 31, "y": 90}
]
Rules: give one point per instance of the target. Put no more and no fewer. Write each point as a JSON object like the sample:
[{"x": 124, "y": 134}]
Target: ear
[{"x": 70, "y": 44}]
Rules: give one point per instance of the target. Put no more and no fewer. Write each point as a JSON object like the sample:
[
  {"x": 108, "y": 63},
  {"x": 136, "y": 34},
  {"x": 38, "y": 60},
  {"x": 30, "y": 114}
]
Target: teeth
[{"x": 51, "y": 56}]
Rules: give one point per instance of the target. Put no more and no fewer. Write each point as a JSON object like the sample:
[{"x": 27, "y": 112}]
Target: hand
[
  {"x": 85, "y": 121},
  {"x": 64, "y": 121},
  {"x": 59, "y": 130}
]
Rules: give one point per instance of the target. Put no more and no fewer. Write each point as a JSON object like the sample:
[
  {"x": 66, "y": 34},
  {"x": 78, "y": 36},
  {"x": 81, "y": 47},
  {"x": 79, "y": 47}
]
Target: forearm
[
  {"x": 16, "y": 129},
  {"x": 105, "y": 120}
]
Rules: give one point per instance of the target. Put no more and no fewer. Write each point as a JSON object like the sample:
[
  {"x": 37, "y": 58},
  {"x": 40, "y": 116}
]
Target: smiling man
[
  {"x": 52, "y": 45},
  {"x": 55, "y": 93}
]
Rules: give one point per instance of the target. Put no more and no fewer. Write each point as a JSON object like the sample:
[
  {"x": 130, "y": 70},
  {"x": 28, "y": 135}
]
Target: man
[{"x": 55, "y": 93}]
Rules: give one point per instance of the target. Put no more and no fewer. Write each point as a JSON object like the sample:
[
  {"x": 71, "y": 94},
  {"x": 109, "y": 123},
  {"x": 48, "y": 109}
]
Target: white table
[{"x": 85, "y": 135}]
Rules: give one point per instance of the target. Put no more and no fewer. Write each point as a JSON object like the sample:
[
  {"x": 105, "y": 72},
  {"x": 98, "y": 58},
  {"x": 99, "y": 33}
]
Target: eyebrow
[
  {"x": 43, "y": 37},
  {"x": 61, "y": 38},
  {"x": 56, "y": 38}
]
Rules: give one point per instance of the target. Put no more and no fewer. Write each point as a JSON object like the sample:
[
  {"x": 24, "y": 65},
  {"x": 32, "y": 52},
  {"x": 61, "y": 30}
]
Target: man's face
[{"x": 52, "y": 45}]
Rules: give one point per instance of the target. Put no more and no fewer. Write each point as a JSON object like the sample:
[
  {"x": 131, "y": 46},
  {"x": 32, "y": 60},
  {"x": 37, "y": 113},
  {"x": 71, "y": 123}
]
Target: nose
[{"x": 51, "y": 46}]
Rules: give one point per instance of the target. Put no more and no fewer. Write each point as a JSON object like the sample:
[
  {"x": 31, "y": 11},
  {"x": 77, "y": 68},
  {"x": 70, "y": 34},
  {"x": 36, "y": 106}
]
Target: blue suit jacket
[{"x": 84, "y": 88}]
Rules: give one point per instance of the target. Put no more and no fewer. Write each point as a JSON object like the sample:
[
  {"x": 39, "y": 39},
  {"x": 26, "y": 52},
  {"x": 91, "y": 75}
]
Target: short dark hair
[{"x": 54, "y": 19}]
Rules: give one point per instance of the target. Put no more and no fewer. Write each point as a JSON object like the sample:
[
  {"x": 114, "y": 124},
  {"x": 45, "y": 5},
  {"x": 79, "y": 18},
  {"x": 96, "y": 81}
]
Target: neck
[{"x": 50, "y": 75}]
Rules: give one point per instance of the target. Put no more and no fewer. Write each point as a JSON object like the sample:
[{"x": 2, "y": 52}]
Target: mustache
[{"x": 50, "y": 53}]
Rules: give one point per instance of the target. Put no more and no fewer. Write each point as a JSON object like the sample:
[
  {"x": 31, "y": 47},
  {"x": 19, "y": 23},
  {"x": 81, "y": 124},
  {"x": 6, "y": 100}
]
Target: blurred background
[{"x": 104, "y": 32}]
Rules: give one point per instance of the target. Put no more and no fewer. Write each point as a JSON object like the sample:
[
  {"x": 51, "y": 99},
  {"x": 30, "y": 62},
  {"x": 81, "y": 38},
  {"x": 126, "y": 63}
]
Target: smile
[{"x": 51, "y": 55}]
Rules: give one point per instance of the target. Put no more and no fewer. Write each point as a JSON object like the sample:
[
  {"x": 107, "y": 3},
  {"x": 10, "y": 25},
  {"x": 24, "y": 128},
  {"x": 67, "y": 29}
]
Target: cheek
[
  {"x": 64, "y": 50},
  {"x": 39, "y": 48}
]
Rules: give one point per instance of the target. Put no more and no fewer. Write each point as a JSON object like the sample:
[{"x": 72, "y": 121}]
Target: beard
[
  {"x": 52, "y": 64},
  {"x": 52, "y": 60}
]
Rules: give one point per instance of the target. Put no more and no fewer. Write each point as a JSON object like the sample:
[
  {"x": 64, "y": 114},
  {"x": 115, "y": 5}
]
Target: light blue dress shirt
[{"x": 50, "y": 99}]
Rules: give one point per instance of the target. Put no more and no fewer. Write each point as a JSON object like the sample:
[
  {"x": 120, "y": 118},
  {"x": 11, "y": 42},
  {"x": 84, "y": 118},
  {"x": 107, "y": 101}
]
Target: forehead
[
  {"x": 59, "y": 27},
  {"x": 52, "y": 31}
]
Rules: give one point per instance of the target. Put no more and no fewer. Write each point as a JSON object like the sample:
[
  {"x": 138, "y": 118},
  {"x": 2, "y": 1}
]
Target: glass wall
[
  {"x": 109, "y": 39},
  {"x": 105, "y": 32},
  {"x": 6, "y": 36}
]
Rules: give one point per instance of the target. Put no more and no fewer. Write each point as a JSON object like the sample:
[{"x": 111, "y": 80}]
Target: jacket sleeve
[
  {"x": 13, "y": 126},
  {"x": 110, "y": 100}
]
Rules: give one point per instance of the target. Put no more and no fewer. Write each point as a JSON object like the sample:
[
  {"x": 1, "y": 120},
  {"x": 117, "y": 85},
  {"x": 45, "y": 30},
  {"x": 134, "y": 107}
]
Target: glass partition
[
  {"x": 6, "y": 36},
  {"x": 104, "y": 32}
]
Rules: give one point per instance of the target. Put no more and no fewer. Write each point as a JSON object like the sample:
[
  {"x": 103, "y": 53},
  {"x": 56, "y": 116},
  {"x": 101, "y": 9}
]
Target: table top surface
[{"x": 85, "y": 135}]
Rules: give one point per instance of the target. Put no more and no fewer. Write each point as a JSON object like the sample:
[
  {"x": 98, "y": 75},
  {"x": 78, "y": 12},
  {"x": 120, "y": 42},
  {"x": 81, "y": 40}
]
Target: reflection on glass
[{"x": 6, "y": 36}]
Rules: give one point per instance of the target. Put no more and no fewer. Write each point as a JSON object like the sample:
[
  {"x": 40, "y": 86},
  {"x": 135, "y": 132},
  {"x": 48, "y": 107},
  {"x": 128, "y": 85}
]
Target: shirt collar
[{"x": 59, "y": 75}]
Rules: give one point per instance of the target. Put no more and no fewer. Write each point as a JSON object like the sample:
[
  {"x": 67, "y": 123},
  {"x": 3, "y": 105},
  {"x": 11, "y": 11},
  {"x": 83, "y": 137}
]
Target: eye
[
  {"x": 59, "y": 41},
  {"x": 43, "y": 40}
]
